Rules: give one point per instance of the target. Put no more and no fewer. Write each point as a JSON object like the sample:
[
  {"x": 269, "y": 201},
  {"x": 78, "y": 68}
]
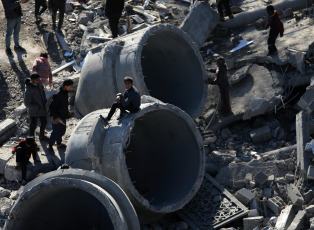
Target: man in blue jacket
[
  {"x": 13, "y": 14},
  {"x": 130, "y": 100}
]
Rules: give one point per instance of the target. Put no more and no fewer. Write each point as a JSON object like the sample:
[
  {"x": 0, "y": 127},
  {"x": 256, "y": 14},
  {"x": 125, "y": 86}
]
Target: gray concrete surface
[
  {"x": 72, "y": 199},
  {"x": 163, "y": 61},
  {"x": 156, "y": 155}
]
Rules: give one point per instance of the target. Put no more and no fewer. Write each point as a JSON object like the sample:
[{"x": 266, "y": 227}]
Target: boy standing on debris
[
  {"x": 224, "y": 3},
  {"x": 130, "y": 100},
  {"x": 54, "y": 6},
  {"x": 24, "y": 149},
  {"x": 59, "y": 112},
  {"x": 222, "y": 81},
  {"x": 42, "y": 67},
  {"x": 38, "y": 4},
  {"x": 276, "y": 28},
  {"x": 13, "y": 14},
  {"x": 113, "y": 12},
  {"x": 35, "y": 100}
]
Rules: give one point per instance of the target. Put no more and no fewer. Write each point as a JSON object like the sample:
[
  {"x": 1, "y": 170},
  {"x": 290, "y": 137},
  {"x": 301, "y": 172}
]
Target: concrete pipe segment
[
  {"x": 72, "y": 199},
  {"x": 156, "y": 155},
  {"x": 163, "y": 61}
]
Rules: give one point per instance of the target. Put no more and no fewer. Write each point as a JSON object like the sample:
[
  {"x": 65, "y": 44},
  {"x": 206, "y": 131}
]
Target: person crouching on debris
[
  {"x": 130, "y": 100},
  {"x": 224, "y": 3},
  {"x": 23, "y": 150},
  {"x": 59, "y": 112},
  {"x": 222, "y": 81},
  {"x": 113, "y": 12},
  {"x": 276, "y": 28},
  {"x": 42, "y": 67}
]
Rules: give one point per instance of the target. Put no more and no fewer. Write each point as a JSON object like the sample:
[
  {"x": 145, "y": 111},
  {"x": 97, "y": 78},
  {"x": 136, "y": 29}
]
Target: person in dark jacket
[
  {"x": 13, "y": 14},
  {"x": 113, "y": 12},
  {"x": 35, "y": 100},
  {"x": 59, "y": 112},
  {"x": 224, "y": 3},
  {"x": 276, "y": 28},
  {"x": 38, "y": 4},
  {"x": 54, "y": 6},
  {"x": 130, "y": 101},
  {"x": 222, "y": 81},
  {"x": 23, "y": 150}
]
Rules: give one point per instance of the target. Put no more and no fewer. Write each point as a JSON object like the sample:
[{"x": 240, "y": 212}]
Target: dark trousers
[
  {"x": 22, "y": 161},
  {"x": 224, "y": 3},
  {"x": 61, "y": 15},
  {"x": 33, "y": 125},
  {"x": 114, "y": 23},
  {"x": 122, "y": 109},
  {"x": 38, "y": 4},
  {"x": 225, "y": 99},
  {"x": 58, "y": 130},
  {"x": 271, "y": 41}
]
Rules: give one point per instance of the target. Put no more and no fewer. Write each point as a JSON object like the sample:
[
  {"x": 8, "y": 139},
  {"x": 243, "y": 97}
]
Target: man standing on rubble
[
  {"x": 13, "y": 14},
  {"x": 276, "y": 28},
  {"x": 130, "y": 100},
  {"x": 113, "y": 12},
  {"x": 54, "y": 6},
  {"x": 222, "y": 81},
  {"x": 59, "y": 112}
]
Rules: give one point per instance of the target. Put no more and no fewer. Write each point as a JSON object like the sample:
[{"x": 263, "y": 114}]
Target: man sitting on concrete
[
  {"x": 24, "y": 149},
  {"x": 130, "y": 100}
]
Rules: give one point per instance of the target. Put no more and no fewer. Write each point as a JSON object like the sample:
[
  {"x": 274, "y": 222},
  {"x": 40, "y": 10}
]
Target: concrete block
[
  {"x": 306, "y": 98},
  {"x": 312, "y": 223},
  {"x": 4, "y": 192},
  {"x": 295, "y": 195},
  {"x": 19, "y": 111},
  {"x": 261, "y": 178},
  {"x": 310, "y": 108},
  {"x": 310, "y": 172},
  {"x": 5, "y": 156},
  {"x": 7, "y": 129},
  {"x": 261, "y": 135},
  {"x": 285, "y": 219},
  {"x": 248, "y": 177},
  {"x": 257, "y": 106},
  {"x": 289, "y": 177},
  {"x": 298, "y": 221},
  {"x": 239, "y": 75},
  {"x": 244, "y": 196},
  {"x": 276, "y": 204},
  {"x": 253, "y": 222},
  {"x": 253, "y": 213}
]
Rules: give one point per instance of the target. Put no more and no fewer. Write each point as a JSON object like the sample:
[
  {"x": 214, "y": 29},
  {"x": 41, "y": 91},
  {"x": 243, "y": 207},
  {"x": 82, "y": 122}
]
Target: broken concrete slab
[
  {"x": 5, "y": 156},
  {"x": 7, "y": 129},
  {"x": 286, "y": 217},
  {"x": 19, "y": 111},
  {"x": 298, "y": 221},
  {"x": 296, "y": 59},
  {"x": 261, "y": 178},
  {"x": 253, "y": 222},
  {"x": 84, "y": 18},
  {"x": 200, "y": 22},
  {"x": 295, "y": 195},
  {"x": 261, "y": 135},
  {"x": 306, "y": 99},
  {"x": 244, "y": 196},
  {"x": 276, "y": 204},
  {"x": 257, "y": 106},
  {"x": 5, "y": 207},
  {"x": 239, "y": 74}
]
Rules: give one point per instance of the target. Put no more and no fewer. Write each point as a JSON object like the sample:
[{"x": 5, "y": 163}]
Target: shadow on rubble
[
  {"x": 20, "y": 69},
  {"x": 4, "y": 95}
]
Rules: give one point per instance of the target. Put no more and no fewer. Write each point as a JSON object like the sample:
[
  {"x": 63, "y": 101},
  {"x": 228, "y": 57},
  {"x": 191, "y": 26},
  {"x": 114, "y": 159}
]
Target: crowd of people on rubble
[{"x": 129, "y": 102}]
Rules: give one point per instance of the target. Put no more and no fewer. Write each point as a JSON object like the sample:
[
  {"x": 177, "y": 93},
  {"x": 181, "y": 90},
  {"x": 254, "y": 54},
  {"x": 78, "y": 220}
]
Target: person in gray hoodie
[{"x": 35, "y": 100}]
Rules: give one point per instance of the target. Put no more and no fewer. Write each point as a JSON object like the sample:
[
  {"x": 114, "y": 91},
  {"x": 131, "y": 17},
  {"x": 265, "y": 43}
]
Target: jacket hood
[{"x": 29, "y": 83}]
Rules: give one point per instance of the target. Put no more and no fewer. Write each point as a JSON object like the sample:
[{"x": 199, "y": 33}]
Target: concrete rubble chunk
[
  {"x": 296, "y": 59},
  {"x": 295, "y": 195},
  {"x": 261, "y": 135},
  {"x": 5, "y": 207},
  {"x": 253, "y": 222},
  {"x": 244, "y": 196},
  {"x": 307, "y": 100},
  {"x": 5, "y": 156},
  {"x": 288, "y": 13},
  {"x": 239, "y": 74},
  {"x": 289, "y": 176},
  {"x": 310, "y": 172},
  {"x": 4, "y": 192},
  {"x": 285, "y": 219},
  {"x": 19, "y": 111},
  {"x": 257, "y": 106},
  {"x": 310, "y": 209},
  {"x": 312, "y": 223},
  {"x": 267, "y": 192},
  {"x": 276, "y": 204},
  {"x": 298, "y": 221},
  {"x": 7, "y": 129},
  {"x": 84, "y": 18},
  {"x": 261, "y": 178}
]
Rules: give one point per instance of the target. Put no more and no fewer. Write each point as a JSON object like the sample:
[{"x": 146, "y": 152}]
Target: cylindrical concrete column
[
  {"x": 156, "y": 155},
  {"x": 163, "y": 61},
  {"x": 72, "y": 199}
]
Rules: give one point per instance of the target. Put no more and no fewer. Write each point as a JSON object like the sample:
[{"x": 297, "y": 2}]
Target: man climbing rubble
[
  {"x": 113, "y": 12},
  {"x": 23, "y": 150},
  {"x": 222, "y": 81},
  {"x": 130, "y": 100}
]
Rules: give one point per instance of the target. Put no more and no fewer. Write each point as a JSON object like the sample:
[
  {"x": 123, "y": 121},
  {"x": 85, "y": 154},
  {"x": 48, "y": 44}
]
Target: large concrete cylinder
[
  {"x": 156, "y": 155},
  {"x": 72, "y": 199},
  {"x": 163, "y": 61}
]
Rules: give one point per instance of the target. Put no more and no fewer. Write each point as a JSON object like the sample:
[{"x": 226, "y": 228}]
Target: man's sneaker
[
  {"x": 9, "y": 52},
  {"x": 19, "y": 48},
  {"x": 103, "y": 120},
  {"x": 122, "y": 115}
]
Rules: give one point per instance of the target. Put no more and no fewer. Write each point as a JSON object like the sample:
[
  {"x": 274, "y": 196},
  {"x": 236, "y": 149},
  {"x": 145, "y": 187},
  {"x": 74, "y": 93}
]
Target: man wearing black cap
[{"x": 24, "y": 149}]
